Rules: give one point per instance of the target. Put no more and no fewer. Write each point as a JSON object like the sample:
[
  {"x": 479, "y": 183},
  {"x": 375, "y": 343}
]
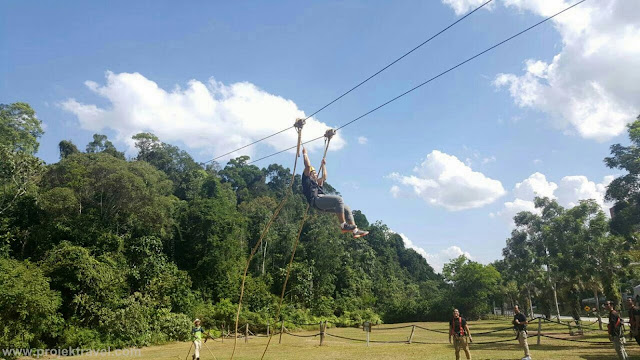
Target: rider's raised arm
[
  {"x": 307, "y": 163},
  {"x": 323, "y": 168}
]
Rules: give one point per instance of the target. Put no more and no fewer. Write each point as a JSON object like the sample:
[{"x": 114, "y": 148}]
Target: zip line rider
[{"x": 313, "y": 191}]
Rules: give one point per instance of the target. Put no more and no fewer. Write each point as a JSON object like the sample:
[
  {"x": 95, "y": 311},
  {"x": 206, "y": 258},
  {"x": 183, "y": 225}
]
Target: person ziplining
[{"x": 313, "y": 190}]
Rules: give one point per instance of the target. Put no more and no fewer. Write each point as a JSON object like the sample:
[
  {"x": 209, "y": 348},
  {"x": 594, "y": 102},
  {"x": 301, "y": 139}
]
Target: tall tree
[
  {"x": 19, "y": 128},
  {"x": 19, "y": 168},
  {"x": 474, "y": 285},
  {"x": 66, "y": 148},
  {"x": 101, "y": 144},
  {"x": 625, "y": 189}
]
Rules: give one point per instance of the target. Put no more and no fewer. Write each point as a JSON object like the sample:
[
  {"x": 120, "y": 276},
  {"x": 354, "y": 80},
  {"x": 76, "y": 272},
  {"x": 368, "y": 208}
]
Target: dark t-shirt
[
  {"x": 523, "y": 322},
  {"x": 310, "y": 188},
  {"x": 634, "y": 314},
  {"x": 614, "y": 323},
  {"x": 458, "y": 325}
]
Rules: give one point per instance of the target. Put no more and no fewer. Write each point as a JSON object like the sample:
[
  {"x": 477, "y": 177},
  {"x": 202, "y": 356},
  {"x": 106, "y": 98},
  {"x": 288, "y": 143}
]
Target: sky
[{"x": 446, "y": 166}]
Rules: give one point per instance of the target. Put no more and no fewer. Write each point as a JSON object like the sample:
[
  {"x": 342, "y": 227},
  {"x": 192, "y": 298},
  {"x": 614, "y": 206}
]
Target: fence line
[{"x": 323, "y": 325}]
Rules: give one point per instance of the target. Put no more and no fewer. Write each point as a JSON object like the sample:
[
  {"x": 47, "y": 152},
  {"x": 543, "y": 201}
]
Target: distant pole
[
  {"x": 281, "y": 331},
  {"x": 413, "y": 329},
  {"x": 539, "y": 329},
  {"x": 322, "y": 328},
  {"x": 367, "y": 328},
  {"x": 267, "y": 329},
  {"x": 246, "y": 333},
  {"x": 222, "y": 337}
]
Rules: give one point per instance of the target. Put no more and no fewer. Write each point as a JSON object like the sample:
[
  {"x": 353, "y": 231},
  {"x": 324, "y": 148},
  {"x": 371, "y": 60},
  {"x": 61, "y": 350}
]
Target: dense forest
[{"x": 99, "y": 250}]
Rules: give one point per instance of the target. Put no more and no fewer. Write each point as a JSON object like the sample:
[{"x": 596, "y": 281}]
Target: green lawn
[{"x": 335, "y": 348}]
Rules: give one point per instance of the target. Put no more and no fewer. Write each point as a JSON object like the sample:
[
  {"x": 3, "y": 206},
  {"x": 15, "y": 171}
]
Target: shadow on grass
[
  {"x": 533, "y": 348},
  {"x": 603, "y": 357}
]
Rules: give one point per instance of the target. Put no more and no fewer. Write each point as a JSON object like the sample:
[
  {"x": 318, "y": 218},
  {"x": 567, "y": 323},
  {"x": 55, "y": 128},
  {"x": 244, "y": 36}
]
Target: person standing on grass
[
  {"x": 615, "y": 331},
  {"x": 459, "y": 329},
  {"x": 634, "y": 320},
  {"x": 198, "y": 334},
  {"x": 520, "y": 326}
]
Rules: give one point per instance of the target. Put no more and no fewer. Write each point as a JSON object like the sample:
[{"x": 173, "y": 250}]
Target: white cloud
[
  {"x": 438, "y": 259},
  {"x": 362, "y": 140},
  {"x": 462, "y": 7},
  {"x": 568, "y": 192},
  {"x": 537, "y": 161},
  {"x": 444, "y": 180},
  {"x": 488, "y": 160},
  {"x": 575, "y": 188},
  {"x": 212, "y": 117},
  {"x": 512, "y": 208},
  {"x": 592, "y": 86},
  {"x": 535, "y": 185}
]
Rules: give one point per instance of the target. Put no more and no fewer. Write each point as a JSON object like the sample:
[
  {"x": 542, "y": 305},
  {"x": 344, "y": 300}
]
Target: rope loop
[
  {"x": 299, "y": 123},
  {"x": 329, "y": 133}
]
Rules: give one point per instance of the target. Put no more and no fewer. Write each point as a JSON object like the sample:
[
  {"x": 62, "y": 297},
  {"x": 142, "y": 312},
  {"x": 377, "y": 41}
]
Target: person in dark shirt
[
  {"x": 313, "y": 191},
  {"x": 520, "y": 325},
  {"x": 634, "y": 320},
  {"x": 459, "y": 330},
  {"x": 615, "y": 331}
]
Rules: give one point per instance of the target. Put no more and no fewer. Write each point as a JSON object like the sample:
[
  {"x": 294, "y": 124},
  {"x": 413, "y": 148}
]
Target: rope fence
[{"x": 368, "y": 329}]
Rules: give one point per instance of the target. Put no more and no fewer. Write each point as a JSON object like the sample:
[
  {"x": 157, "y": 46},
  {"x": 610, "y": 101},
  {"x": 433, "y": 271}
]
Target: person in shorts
[
  {"x": 459, "y": 330},
  {"x": 314, "y": 192}
]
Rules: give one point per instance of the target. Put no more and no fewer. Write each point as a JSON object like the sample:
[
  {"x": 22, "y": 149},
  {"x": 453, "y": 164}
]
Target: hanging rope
[
  {"x": 298, "y": 126},
  {"x": 327, "y": 140}
]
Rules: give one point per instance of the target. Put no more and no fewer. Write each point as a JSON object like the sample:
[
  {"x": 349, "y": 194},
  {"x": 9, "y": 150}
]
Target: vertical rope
[
  {"x": 264, "y": 233},
  {"x": 295, "y": 246}
]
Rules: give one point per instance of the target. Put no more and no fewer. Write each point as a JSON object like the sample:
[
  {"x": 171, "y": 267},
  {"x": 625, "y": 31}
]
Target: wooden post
[
  {"x": 246, "y": 333},
  {"x": 368, "y": 334},
  {"x": 595, "y": 295},
  {"x": 413, "y": 329},
  {"x": 322, "y": 328},
  {"x": 281, "y": 331},
  {"x": 267, "y": 329},
  {"x": 539, "y": 329},
  {"x": 367, "y": 328}
]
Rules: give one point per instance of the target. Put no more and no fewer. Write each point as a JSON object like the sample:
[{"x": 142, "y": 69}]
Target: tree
[
  {"x": 187, "y": 175},
  {"x": 19, "y": 169},
  {"x": 28, "y": 307},
  {"x": 625, "y": 190},
  {"x": 474, "y": 285},
  {"x": 587, "y": 254},
  {"x": 67, "y": 148},
  {"x": 19, "y": 128},
  {"x": 101, "y": 144}
]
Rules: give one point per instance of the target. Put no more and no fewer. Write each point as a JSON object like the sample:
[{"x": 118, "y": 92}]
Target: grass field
[{"x": 298, "y": 348}]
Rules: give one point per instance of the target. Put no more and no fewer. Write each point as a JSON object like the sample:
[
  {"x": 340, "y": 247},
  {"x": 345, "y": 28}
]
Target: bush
[
  {"x": 83, "y": 338},
  {"x": 171, "y": 327},
  {"x": 28, "y": 307}
]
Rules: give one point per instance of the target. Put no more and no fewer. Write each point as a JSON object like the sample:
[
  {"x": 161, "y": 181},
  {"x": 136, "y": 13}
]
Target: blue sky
[{"x": 535, "y": 116}]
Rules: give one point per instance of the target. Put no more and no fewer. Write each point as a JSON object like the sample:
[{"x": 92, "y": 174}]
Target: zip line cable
[
  {"x": 361, "y": 83},
  {"x": 433, "y": 78}
]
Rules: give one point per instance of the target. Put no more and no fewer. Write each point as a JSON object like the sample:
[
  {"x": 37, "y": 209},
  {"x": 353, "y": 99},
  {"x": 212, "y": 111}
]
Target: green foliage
[
  {"x": 67, "y": 148},
  {"x": 625, "y": 189},
  {"x": 101, "y": 144},
  {"x": 19, "y": 128},
  {"x": 473, "y": 285},
  {"x": 186, "y": 175},
  {"x": 28, "y": 307},
  {"x": 19, "y": 168}
]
